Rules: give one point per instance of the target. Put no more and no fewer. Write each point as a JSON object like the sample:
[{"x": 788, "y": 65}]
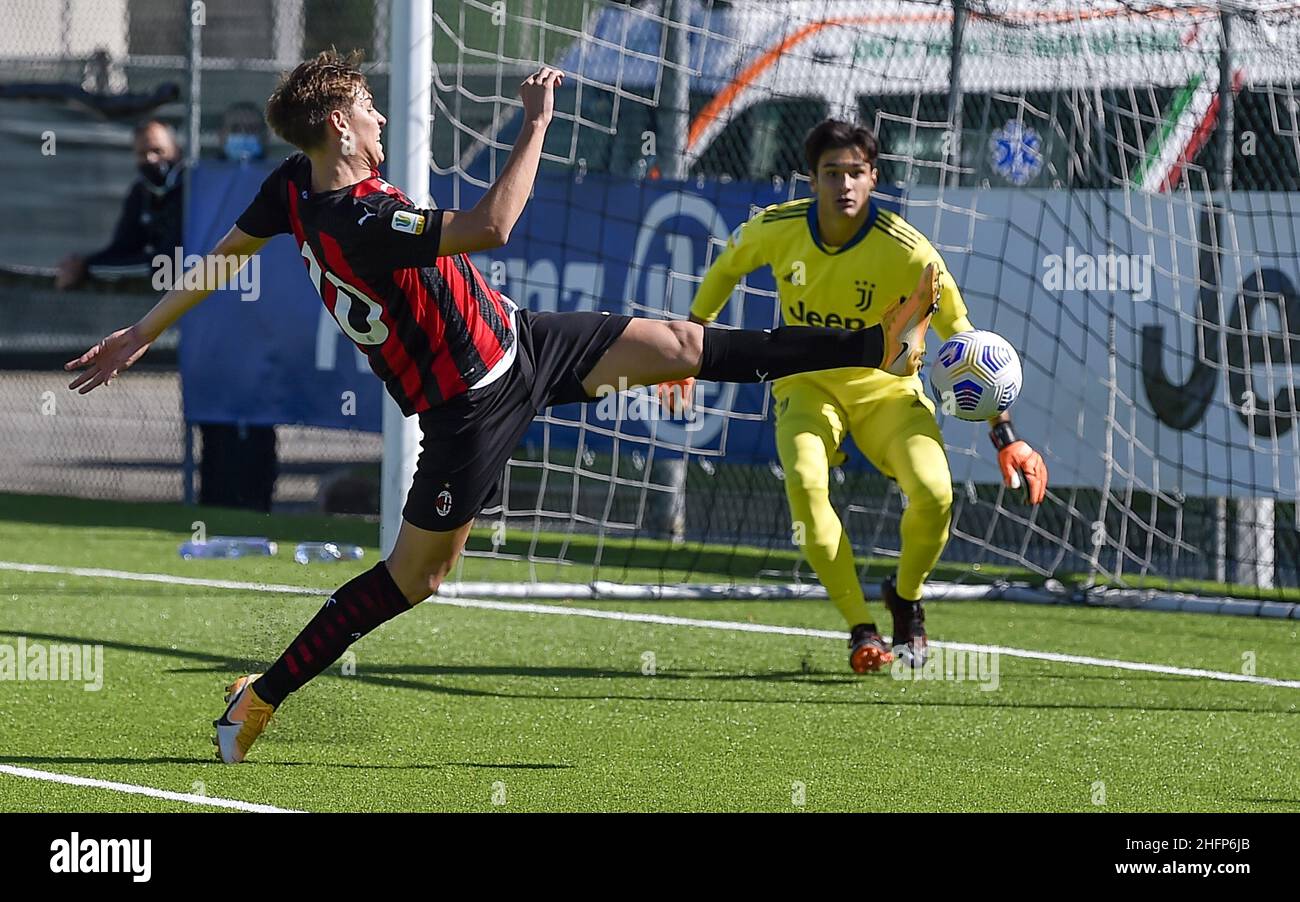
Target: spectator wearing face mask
[
  {"x": 151, "y": 218},
  {"x": 243, "y": 133}
]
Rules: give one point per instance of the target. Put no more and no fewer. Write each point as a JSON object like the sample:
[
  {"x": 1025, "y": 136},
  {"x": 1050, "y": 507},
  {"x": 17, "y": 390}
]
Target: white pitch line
[
  {"x": 167, "y": 578},
  {"x": 667, "y": 620},
  {"x": 735, "y": 626},
  {"x": 149, "y": 791},
  {"x": 664, "y": 620}
]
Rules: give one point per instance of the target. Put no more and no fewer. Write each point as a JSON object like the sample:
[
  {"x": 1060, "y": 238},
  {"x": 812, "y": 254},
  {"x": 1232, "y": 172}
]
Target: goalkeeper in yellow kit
[{"x": 838, "y": 259}]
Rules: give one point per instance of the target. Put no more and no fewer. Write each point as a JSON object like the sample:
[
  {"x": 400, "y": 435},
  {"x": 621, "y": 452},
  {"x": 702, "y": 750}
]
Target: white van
[{"x": 1052, "y": 94}]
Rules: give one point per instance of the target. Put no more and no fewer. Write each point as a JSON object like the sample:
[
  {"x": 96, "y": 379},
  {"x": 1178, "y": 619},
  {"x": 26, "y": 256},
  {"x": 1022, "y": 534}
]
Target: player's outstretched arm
[
  {"x": 488, "y": 223},
  {"x": 124, "y": 347}
]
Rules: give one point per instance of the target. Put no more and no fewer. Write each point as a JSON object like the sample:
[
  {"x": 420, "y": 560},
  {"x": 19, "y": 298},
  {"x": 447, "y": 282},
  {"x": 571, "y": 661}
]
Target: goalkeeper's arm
[
  {"x": 125, "y": 346},
  {"x": 719, "y": 281},
  {"x": 738, "y": 258},
  {"x": 1022, "y": 467}
]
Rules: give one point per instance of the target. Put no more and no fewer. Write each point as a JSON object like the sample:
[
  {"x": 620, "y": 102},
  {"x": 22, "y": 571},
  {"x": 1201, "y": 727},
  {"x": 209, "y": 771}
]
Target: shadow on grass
[
  {"x": 509, "y": 766},
  {"x": 85, "y": 759},
  {"x": 877, "y": 702},
  {"x": 117, "y": 759},
  {"x": 400, "y": 677}
]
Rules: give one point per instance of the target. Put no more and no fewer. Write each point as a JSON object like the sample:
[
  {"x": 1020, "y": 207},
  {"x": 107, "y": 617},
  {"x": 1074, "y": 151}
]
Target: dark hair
[
  {"x": 832, "y": 134},
  {"x": 245, "y": 117},
  {"x": 299, "y": 107},
  {"x": 142, "y": 127}
]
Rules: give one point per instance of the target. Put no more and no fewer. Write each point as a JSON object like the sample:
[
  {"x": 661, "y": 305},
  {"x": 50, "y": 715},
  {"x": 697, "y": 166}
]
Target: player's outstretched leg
[
  {"x": 652, "y": 351},
  {"x": 904, "y": 325},
  {"x": 418, "y": 564}
]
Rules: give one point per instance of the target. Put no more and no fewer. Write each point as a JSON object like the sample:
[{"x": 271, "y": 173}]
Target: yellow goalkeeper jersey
[{"x": 842, "y": 287}]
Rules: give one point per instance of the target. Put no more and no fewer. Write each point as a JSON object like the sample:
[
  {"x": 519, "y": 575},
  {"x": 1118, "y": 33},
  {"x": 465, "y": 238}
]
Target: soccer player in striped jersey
[
  {"x": 450, "y": 348},
  {"x": 839, "y": 261}
]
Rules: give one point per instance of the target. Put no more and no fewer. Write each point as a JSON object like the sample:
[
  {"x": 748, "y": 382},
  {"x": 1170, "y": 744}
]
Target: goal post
[{"x": 408, "y": 156}]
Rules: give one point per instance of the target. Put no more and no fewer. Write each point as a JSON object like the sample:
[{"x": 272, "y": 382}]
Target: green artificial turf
[{"x": 470, "y": 709}]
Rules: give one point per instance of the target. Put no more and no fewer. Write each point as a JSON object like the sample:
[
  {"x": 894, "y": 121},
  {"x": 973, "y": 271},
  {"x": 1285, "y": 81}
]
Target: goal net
[{"x": 1113, "y": 186}]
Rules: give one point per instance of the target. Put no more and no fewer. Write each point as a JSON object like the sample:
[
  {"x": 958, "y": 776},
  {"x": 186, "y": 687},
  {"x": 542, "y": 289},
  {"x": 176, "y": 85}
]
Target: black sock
[
  {"x": 905, "y": 605},
  {"x": 362, "y": 604},
  {"x": 752, "y": 355}
]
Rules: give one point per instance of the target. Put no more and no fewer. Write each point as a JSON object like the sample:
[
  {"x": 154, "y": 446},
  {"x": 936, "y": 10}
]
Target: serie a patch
[{"x": 411, "y": 223}]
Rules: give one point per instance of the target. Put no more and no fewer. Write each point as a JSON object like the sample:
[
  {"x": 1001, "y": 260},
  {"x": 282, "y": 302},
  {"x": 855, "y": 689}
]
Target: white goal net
[{"x": 1113, "y": 185}]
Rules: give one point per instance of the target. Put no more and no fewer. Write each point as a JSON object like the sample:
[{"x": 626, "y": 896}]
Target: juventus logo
[{"x": 864, "y": 293}]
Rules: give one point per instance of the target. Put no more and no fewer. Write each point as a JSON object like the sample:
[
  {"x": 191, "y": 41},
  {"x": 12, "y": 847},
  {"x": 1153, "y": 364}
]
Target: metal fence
[{"x": 76, "y": 77}]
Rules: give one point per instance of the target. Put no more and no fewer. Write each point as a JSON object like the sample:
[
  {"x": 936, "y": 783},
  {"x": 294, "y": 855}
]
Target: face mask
[
  {"x": 242, "y": 146},
  {"x": 155, "y": 173}
]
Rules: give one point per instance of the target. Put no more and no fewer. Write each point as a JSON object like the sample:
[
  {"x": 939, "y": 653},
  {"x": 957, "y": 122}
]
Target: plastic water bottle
[
  {"x": 306, "y": 552},
  {"x": 229, "y": 547}
]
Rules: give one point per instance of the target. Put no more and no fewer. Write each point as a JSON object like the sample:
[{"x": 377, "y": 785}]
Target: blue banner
[{"x": 276, "y": 358}]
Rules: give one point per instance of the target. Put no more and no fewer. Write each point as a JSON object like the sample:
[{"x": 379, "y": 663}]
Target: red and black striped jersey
[{"x": 430, "y": 326}]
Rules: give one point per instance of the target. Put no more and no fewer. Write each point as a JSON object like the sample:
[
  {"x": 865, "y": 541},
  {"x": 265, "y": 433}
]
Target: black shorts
[{"x": 467, "y": 441}]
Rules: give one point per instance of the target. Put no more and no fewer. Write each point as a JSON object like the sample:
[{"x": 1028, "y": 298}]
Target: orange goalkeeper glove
[
  {"x": 677, "y": 390},
  {"x": 1022, "y": 467}
]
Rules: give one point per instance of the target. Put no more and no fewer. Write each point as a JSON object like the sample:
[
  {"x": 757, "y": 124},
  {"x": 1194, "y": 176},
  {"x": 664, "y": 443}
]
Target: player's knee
[
  {"x": 804, "y": 455},
  {"x": 935, "y": 498},
  {"x": 434, "y": 575},
  {"x": 820, "y": 542},
  {"x": 418, "y": 579},
  {"x": 812, "y": 480},
  {"x": 686, "y": 349}
]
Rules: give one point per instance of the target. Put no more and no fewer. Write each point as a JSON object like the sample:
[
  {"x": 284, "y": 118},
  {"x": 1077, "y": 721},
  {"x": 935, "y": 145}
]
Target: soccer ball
[{"x": 977, "y": 375}]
